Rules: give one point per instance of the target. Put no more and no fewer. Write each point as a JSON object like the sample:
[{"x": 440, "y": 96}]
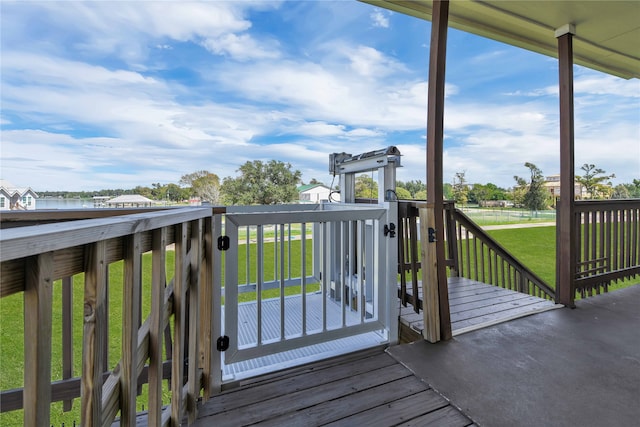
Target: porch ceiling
[{"x": 607, "y": 32}]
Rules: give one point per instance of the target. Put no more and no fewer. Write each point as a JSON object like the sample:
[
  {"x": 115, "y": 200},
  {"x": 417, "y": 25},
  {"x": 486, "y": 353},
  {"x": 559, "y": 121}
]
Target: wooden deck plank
[
  {"x": 444, "y": 417},
  {"x": 495, "y": 308},
  {"x": 348, "y": 391},
  {"x": 345, "y": 406},
  {"x": 498, "y": 300},
  {"x": 497, "y": 317},
  {"x": 399, "y": 411},
  {"x": 309, "y": 394},
  {"x": 228, "y": 400},
  {"x": 474, "y": 304},
  {"x": 460, "y": 295}
]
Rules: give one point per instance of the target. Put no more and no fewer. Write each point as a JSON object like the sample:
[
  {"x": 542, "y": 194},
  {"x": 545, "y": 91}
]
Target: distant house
[
  {"x": 130, "y": 200},
  {"x": 16, "y": 198},
  {"x": 552, "y": 184},
  {"x": 314, "y": 193}
]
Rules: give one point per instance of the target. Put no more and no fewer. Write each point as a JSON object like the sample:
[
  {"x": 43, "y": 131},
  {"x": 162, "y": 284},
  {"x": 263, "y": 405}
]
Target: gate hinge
[
  {"x": 390, "y": 230},
  {"x": 223, "y": 343},
  {"x": 223, "y": 243},
  {"x": 432, "y": 235}
]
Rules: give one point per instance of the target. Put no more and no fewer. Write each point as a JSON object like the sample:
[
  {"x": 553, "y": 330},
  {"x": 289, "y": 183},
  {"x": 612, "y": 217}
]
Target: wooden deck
[
  {"x": 365, "y": 388},
  {"x": 474, "y": 305}
]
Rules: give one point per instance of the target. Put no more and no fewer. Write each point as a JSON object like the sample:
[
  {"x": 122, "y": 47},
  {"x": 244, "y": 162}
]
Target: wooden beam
[
  {"x": 430, "y": 297},
  {"x": 565, "y": 254},
  {"x": 435, "y": 136},
  {"x": 95, "y": 317},
  {"x": 67, "y": 334},
  {"x": 131, "y": 305},
  {"x": 179, "y": 326},
  {"x": 37, "y": 339},
  {"x": 156, "y": 329}
]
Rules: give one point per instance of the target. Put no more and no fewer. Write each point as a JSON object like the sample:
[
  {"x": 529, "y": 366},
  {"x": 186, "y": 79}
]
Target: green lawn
[{"x": 535, "y": 247}]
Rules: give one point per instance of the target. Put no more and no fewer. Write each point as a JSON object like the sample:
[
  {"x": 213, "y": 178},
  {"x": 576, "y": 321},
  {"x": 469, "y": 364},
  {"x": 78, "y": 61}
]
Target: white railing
[{"x": 338, "y": 257}]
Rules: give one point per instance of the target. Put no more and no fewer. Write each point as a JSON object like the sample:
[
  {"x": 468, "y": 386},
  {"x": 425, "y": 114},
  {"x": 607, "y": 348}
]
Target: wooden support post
[
  {"x": 130, "y": 324},
  {"x": 179, "y": 306},
  {"x": 193, "y": 382},
  {"x": 95, "y": 317},
  {"x": 67, "y": 335},
  {"x": 566, "y": 242},
  {"x": 158, "y": 284},
  {"x": 206, "y": 307},
  {"x": 37, "y": 339},
  {"x": 430, "y": 299},
  {"x": 435, "y": 135}
]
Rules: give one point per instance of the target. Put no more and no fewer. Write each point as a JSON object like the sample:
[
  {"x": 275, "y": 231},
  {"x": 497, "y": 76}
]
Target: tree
[
  {"x": 627, "y": 191},
  {"x": 447, "y": 192},
  {"x": 204, "y": 184},
  {"x": 519, "y": 191},
  {"x": 479, "y": 193},
  {"x": 366, "y": 187},
  {"x": 412, "y": 187},
  {"x": 143, "y": 191},
  {"x": 420, "y": 195},
  {"x": 262, "y": 183},
  {"x": 593, "y": 181},
  {"x": 460, "y": 189},
  {"x": 536, "y": 195},
  {"x": 620, "y": 192},
  {"x": 403, "y": 194}
]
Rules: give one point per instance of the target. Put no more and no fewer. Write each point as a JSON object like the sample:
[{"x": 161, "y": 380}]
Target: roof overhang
[{"x": 607, "y": 32}]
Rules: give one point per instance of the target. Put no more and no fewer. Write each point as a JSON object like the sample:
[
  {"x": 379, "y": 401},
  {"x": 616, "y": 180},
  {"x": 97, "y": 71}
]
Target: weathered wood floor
[
  {"x": 475, "y": 305},
  {"x": 367, "y": 388}
]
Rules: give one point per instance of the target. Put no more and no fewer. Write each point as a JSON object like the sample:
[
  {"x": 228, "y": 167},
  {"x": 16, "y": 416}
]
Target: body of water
[{"x": 53, "y": 203}]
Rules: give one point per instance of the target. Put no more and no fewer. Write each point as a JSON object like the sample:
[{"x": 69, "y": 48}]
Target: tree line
[
  {"x": 273, "y": 182},
  {"x": 258, "y": 182}
]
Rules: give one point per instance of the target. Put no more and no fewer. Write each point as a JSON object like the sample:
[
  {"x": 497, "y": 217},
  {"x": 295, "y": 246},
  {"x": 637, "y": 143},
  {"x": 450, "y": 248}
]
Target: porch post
[
  {"x": 565, "y": 253},
  {"x": 435, "y": 125}
]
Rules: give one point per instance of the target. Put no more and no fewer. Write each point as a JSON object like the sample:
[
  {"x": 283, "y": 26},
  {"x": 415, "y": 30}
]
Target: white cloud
[
  {"x": 379, "y": 19},
  {"x": 241, "y": 47},
  {"x": 129, "y": 122}
]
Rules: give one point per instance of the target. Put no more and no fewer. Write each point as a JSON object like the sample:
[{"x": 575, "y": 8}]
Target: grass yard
[{"x": 535, "y": 247}]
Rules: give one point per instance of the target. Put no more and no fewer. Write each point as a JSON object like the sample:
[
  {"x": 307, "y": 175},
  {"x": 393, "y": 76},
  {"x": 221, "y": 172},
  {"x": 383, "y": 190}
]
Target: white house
[
  {"x": 314, "y": 193},
  {"x": 16, "y": 198},
  {"x": 130, "y": 200},
  {"x": 552, "y": 184}
]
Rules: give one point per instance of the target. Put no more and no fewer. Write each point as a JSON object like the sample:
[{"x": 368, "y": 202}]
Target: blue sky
[{"x": 115, "y": 94}]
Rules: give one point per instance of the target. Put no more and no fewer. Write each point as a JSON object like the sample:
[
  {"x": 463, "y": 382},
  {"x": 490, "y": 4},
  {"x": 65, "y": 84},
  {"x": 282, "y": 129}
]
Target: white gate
[{"x": 300, "y": 275}]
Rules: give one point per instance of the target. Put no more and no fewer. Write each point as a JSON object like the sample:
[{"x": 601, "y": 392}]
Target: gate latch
[
  {"x": 223, "y": 343},
  {"x": 223, "y": 243}
]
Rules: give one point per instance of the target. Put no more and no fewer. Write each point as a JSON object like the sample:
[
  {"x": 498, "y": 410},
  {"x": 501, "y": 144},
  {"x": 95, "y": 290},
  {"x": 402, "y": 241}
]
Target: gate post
[{"x": 430, "y": 295}]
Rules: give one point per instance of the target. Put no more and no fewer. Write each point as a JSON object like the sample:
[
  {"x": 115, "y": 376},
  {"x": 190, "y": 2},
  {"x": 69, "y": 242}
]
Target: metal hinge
[
  {"x": 223, "y": 343},
  {"x": 390, "y": 230},
  {"x": 223, "y": 243}
]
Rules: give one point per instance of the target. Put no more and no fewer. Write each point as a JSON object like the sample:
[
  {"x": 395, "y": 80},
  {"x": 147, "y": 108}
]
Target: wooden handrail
[
  {"x": 493, "y": 246},
  {"x": 608, "y": 244},
  {"x": 470, "y": 251},
  {"x": 33, "y": 258}
]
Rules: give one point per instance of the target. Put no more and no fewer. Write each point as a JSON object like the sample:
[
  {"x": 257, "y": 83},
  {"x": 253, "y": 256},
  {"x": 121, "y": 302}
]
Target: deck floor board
[
  {"x": 474, "y": 305},
  {"x": 372, "y": 390}
]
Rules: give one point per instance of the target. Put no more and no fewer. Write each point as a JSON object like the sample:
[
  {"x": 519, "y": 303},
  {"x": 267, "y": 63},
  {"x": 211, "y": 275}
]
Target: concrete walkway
[
  {"x": 519, "y": 225},
  {"x": 558, "y": 368}
]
